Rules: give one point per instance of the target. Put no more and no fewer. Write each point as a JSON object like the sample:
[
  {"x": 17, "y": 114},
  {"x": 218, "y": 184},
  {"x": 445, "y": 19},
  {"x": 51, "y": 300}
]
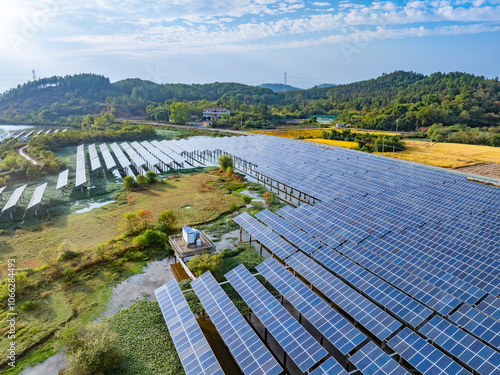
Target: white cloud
[{"x": 321, "y": 4}]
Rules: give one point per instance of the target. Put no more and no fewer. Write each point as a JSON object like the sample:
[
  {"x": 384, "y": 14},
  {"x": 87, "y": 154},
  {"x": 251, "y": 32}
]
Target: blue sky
[{"x": 248, "y": 41}]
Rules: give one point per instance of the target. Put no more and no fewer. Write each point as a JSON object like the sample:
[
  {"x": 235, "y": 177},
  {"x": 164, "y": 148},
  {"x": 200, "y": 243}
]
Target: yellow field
[
  {"x": 294, "y": 133},
  {"x": 447, "y": 155},
  {"x": 344, "y": 144}
]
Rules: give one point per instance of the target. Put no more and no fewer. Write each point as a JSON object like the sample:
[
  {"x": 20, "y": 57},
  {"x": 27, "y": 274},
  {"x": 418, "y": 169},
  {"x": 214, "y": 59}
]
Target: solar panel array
[
  {"x": 81, "y": 174},
  {"x": 248, "y": 350},
  {"x": 478, "y": 323},
  {"x": 474, "y": 353},
  {"x": 302, "y": 348},
  {"x": 265, "y": 236},
  {"x": 371, "y": 360},
  {"x": 194, "y": 351},
  {"x": 332, "y": 325},
  {"x": 424, "y": 357},
  {"x": 122, "y": 159}
]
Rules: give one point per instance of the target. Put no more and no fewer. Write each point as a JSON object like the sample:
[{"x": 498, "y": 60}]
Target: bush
[
  {"x": 202, "y": 263},
  {"x": 135, "y": 222},
  {"x": 69, "y": 275},
  {"x": 225, "y": 161},
  {"x": 91, "y": 349},
  {"x": 246, "y": 199},
  {"x": 167, "y": 220},
  {"x": 191, "y": 297},
  {"x": 150, "y": 238},
  {"x": 141, "y": 180},
  {"x": 129, "y": 183},
  {"x": 150, "y": 177},
  {"x": 67, "y": 255},
  {"x": 28, "y": 305}
]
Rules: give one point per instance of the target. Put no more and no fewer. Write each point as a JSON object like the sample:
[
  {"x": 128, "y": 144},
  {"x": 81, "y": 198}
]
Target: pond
[{"x": 13, "y": 128}]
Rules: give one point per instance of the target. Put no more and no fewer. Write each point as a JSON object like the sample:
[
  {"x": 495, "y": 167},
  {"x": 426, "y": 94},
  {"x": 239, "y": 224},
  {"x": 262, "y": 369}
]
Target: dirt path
[
  {"x": 26, "y": 156},
  {"x": 483, "y": 169}
]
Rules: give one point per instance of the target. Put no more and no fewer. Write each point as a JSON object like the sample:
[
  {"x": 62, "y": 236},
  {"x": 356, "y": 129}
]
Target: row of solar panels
[
  {"x": 28, "y": 134},
  {"x": 304, "y": 350},
  {"x": 379, "y": 285}
]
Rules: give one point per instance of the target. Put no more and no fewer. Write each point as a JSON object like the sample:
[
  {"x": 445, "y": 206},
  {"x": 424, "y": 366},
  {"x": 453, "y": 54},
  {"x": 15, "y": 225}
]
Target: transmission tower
[
  {"x": 284, "y": 84},
  {"x": 34, "y": 75}
]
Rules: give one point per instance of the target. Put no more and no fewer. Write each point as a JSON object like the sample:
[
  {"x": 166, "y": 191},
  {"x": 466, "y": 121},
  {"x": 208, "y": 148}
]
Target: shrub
[
  {"x": 268, "y": 196},
  {"x": 233, "y": 207},
  {"x": 135, "y": 222},
  {"x": 67, "y": 255},
  {"x": 150, "y": 238},
  {"x": 225, "y": 161},
  {"x": 69, "y": 275},
  {"x": 246, "y": 199},
  {"x": 202, "y": 263},
  {"x": 91, "y": 349},
  {"x": 151, "y": 177},
  {"x": 129, "y": 183},
  {"x": 29, "y": 305},
  {"x": 167, "y": 220},
  {"x": 141, "y": 179}
]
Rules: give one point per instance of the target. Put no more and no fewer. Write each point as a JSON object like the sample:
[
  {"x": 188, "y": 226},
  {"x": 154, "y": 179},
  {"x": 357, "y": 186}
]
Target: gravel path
[{"x": 26, "y": 156}]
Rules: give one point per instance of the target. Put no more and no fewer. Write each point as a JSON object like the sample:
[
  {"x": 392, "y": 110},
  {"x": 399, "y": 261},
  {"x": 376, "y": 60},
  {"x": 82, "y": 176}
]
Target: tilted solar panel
[
  {"x": 463, "y": 346},
  {"x": 423, "y": 356},
  {"x": 333, "y": 326},
  {"x": 302, "y": 348},
  {"x": 248, "y": 350},
  {"x": 194, "y": 351},
  {"x": 62, "y": 179},
  {"x": 369, "y": 315},
  {"x": 14, "y": 198},
  {"x": 478, "y": 323},
  {"x": 371, "y": 360},
  {"x": 329, "y": 367},
  {"x": 37, "y": 195}
]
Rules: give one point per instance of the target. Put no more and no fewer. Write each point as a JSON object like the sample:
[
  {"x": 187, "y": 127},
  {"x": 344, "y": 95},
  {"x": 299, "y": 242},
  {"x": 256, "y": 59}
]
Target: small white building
[{"x": 215, "y": 113}]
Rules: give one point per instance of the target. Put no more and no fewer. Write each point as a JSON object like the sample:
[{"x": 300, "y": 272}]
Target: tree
[
  {"x": 179, "y": 112},
  {"x": 151, "y": 238},
  {"x": 91, "y": 349},
  {"x": 161, "y": 116},
  {"x": 225, "y": 161},
  {"x": 202, "y": 263},
  {"x": 134, "y": 222}
]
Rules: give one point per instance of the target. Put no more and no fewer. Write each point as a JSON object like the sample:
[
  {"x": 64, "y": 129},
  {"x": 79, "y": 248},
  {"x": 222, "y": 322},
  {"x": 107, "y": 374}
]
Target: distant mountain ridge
[{"x": 278, "y": 87}]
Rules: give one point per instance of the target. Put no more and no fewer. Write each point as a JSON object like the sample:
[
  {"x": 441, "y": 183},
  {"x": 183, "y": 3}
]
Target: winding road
[{"x": 26, "y": 156}]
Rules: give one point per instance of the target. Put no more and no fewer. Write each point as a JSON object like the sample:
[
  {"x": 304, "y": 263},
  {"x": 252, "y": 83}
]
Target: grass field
[{"x": 91, "y": 228}]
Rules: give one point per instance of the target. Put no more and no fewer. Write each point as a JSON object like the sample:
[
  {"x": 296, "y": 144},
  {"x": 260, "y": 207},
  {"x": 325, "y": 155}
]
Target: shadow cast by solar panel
[{"x": 220, "y": 350}]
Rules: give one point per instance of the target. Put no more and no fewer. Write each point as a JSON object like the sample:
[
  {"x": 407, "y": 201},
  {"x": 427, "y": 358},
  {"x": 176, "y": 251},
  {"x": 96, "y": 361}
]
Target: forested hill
[{"x": 412, "y": 98}]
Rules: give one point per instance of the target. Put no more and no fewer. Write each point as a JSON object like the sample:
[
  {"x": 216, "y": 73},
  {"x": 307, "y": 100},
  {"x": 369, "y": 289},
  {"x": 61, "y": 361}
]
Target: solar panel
[
  {"x": 81, "y": 174},
  {"x": 330, "y": 367},
  {"x": 14, "y": 198},
  {"x": 37, "y": 196},
  {"x": 333, "y": 326},
  {"x": 478, "y": 323},
  {"x": 463, "y": 346},
  {"x": 371, "y": 360},
  {"x": 2, "y": 189},
  {"x": 122, "y": 159},
  {"x": 369, "y": 315},
  {"x": 427, "y": 359},
  {"x": 248, "y": 350},
  {"x": 194, "y": 351},
  {"x": 302, "y": 348},
  {"x": 266, "y": 236},
  {"x": 293, "y": 234},
  {"x": 62, "y": 180},
  {"x": 108, "y": 158},
  {"x": 490, "y": 305}
]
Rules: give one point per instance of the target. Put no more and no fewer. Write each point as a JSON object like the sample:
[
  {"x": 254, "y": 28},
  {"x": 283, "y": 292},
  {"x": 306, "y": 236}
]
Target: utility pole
[
  {"x": 397, "y": 123},
  {"x": 493, "y": 166}
]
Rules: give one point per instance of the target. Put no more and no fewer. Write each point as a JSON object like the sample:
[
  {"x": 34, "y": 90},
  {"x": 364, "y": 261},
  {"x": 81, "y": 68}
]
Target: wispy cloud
[{"x": 136, "y": 28}]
